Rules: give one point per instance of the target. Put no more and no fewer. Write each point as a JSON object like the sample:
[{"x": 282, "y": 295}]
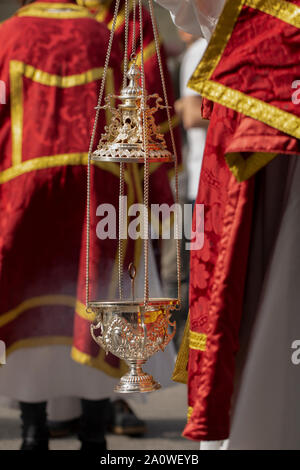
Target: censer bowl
[{"x": 134, "y": 333}]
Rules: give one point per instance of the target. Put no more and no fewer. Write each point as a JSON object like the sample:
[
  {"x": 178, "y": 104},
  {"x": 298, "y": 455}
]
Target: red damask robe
[
  {"x": 248, "y": 72},
  {"x": 51, "y": 61}
]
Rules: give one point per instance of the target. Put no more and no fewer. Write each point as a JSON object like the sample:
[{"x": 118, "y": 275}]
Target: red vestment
[{"x": 247, "y": 71}]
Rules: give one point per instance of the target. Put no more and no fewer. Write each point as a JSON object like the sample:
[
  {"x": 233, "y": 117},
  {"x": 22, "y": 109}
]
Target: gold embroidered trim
[
  {"x": 99, "y": 362},
  {"x": 96, "y": 362},
  {"x": 253, "y": 107},
  {"x": 38, "y": 342},
  {"x": 121, "y": 17},
  {"x": 243, "y": 168},
  {"x": 63, "y": 300},
  {"x": 197, "y": 341},
  {"x": 103, "y": 11},
  {"x": 89, "y": 3},
  {"x": 16, "y": 109},
  {"x": 41, "y": 163},
  {"x": 180, "y": 373},
  {"x": 285, "y": 11},
  {"x": 218, "y": 43},
  {"x": 46, "y": 300},
  {"x": 60, "y": 300},
  {"x": 164, "y": 126},
  {"x": 149, "y": 52},
  {"x": 234, "y": 99},
  {"x": 189, "y": 412},
  {"x": 19, "y": 69},
  {"x": 44, "y": 78},
  {"x": 48, "y": 10}
]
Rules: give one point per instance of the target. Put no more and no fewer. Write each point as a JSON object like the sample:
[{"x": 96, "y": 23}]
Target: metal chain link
[
  {"x": 122, "y": 166},
  {"x": 126, "y": 43},
  {"x": 157, "y": 47},
  {"x": 121, "y": 224},
  {"x": 91, "y": 146},
  {"x": 146, "y": 163},
  {"x": 133, "y": 52}
]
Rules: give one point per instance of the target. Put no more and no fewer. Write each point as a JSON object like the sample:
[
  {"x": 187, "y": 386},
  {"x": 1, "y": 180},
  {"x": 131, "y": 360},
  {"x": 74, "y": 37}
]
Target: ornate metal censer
[{"x": 133, "y": 329}]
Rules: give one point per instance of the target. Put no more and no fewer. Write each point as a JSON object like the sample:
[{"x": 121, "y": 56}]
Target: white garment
[
  {"x": 49, "y": 373},
  {"x": 195, "y": 137},
  {"x": 212, "y": 445},
  {"x": 197, "y": 17}
]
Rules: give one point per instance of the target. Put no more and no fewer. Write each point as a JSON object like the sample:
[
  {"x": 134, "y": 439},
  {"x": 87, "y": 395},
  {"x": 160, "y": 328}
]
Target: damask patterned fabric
[
  {"x": 247, "y": 71},
  {"x": 216, "y": 285}
]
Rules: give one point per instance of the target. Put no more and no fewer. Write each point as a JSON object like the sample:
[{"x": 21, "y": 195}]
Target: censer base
[{"x": 136, "y": 380}]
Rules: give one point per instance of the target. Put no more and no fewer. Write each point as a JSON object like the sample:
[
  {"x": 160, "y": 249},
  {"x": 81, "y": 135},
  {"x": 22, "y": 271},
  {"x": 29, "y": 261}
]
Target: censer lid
[{"x": 123, "y": 140}]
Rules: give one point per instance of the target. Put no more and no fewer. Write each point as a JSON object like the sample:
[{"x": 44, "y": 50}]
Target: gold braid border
[
  {"x": 191, "y": 340},
  {"x": 51, "y": 10},
  {"x": 57, "y": 301},
  {"x": 236, "y": 100}
]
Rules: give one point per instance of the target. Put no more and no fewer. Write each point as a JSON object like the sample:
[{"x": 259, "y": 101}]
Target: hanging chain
[
  {"x": 126, "y": 43},
  {"x": 157, "y": 46},
  {"x": 146, "y": 163},
  {"x": 122, "y": 167},
  {"x": 121, "y": 225},
  {"x": 133, "y": 52},
  {"x": 91, "y": 146}
]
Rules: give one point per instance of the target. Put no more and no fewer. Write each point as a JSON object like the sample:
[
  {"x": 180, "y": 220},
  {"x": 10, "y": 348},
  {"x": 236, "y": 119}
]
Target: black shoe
[
  {"x": 34, "y": 441},
  {"x": 35, "y": 433},
  {"x": 125, "y": 422},
  {"x": 96, "y": 415}
]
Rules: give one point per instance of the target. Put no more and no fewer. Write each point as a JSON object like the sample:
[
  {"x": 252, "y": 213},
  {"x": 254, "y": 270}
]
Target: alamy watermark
[
  {"x": 2, "y": 92},
  {"x": 160, "y": 217},
  {"x": 2, "y": 352},
  {"x": 296, "y": 93},
  {"x": 295, "y": 358}
]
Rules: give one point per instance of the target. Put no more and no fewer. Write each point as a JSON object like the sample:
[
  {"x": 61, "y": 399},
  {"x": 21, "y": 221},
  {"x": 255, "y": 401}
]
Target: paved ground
[{"x": 164, "y": 411}]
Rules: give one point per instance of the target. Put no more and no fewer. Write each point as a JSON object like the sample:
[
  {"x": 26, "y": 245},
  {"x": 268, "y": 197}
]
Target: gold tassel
[{"x": 180, "y": 373}]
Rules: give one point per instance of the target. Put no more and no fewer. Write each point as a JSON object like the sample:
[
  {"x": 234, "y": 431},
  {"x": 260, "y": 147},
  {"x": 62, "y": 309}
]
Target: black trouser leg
[
  {"x": 93, "y": 424},
  {"x": 35, "y": 433}
]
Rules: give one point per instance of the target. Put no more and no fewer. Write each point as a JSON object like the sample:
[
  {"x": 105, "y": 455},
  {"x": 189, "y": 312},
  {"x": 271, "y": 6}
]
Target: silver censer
[
  {"x": 133, "y": 329},
  {"x": 134, "y": 333}
]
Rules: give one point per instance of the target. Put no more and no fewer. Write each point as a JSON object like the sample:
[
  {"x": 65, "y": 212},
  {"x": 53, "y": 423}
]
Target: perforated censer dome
[{"x": 123, "y": 139}]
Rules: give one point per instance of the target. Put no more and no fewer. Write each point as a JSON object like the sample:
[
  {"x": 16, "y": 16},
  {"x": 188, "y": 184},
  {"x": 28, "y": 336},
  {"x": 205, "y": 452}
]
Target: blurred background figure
[
  {"x": 194, "y": 128},
  {"x": 188, "y": 107}
]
